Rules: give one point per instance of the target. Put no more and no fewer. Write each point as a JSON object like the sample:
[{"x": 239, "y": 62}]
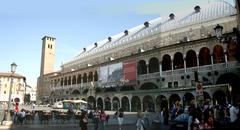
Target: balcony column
[
  {"x": 160, "y": 68},
  {"x": 71, "y": 81},
  {"x": 103, "y": 105},
  {"x": 120, "y": 103},
  {"x": 81, "y": 86},
  {"x": 155, "y": 104},
  {"x": 225, "y": 58},
  {"x": 212, "y": 59},
  {"x": 212, "y": 67},
  {"x": 147, "y": 64},
  {"x": 130, "y": 104},
  {"x": 198, "y": 60},
  {"x": 172, "y": 63},
  {"x": 111, "y": 105},
  {"x": 185, "y": 65},
  {"x": 185, "y": 71}
]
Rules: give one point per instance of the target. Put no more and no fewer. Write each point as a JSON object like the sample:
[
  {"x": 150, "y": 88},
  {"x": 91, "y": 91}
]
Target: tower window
[{"x": 49, "y": 46}]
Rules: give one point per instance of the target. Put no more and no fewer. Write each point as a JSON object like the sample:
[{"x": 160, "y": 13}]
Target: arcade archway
[
  {"x": 116, "y": 103},
  {"x": 107, "y": 102},
  {"x": 125, "y": 104},
  {"x": 148, "y": 104},
  {"x": 136, "y": 103}
]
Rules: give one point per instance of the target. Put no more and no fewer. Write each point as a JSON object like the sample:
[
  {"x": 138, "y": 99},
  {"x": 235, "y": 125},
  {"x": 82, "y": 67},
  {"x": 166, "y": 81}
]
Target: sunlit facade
[
  {"x": 18, "y": 88},
  {"x": 156, "y": 64}
]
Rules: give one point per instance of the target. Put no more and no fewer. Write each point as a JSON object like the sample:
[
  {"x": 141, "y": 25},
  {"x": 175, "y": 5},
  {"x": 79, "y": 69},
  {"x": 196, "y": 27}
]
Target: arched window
[
  {"x": 166, "y": 63},
  {"x": 204, "y": 56},
  {"x": 191, "y": 59},
  {"x": 178, "y": 62},
  {"x": 79, "y": 78},
  {"x": 153, "y": 65},
  {"x": 218, "y": 54},
  {"x": 142, "y": 67},
  {"x": 85, "y": 78},
  {"x": 74, "y": 79},
  {"x": 96, "y": 76},
  {"x": 90, "y": 76}
]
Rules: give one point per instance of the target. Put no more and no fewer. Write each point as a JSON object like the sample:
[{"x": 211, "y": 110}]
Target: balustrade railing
[{"x": 149, "y": 76}]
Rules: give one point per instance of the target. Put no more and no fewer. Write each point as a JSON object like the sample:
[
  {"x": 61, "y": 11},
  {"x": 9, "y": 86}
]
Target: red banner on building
[{"x": 129, "y": 70}]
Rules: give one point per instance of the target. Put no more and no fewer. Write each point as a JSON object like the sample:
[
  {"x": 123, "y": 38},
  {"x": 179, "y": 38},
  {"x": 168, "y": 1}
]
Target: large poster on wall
[
  {"x": 115, "y": 73},
  {"x": 110, "y": 75},
  {"x": 129, "y": 71},
  {"x": 103, "y": 75}
]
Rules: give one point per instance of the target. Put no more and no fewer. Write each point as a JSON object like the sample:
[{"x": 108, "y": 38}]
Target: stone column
[
  {"x": 160, "y": 69},
  {"x": 226, "y": 60},
  {"x": 130, "y": 105},
  {"x": 198, "y": 61}
]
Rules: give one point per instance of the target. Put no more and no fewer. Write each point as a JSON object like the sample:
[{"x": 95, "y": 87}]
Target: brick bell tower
[
  {"x": 47, "y": 66},
  {"x": 48, "y": 55}
]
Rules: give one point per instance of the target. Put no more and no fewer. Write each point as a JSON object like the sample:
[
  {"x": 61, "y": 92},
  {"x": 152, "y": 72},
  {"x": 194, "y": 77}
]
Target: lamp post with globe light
[{"x": 13, "y": 69}]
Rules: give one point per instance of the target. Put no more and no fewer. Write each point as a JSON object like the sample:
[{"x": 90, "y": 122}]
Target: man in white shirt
[
  {"x": 22, "y": 115},
  {"x": 233, "y": 113}
]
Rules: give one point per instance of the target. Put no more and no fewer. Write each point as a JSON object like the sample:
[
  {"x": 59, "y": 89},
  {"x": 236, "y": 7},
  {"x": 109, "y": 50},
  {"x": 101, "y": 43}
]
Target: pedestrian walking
[
  {"x": 140, "y": 124},
  {"x": 233, "y": 110},
  {"x": 21, "y": 116},
  {"x": 120, "y": 118},
  {"x": 83, "y": 121},
  {"x": 96, "y": 118},
  {"x": 103, "y": 119},
  {"x": 15, "y": 113}
]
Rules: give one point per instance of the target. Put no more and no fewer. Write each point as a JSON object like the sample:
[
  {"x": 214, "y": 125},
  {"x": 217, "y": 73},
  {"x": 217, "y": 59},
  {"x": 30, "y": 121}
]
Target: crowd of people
[
  {"x": 99, "y": 119},
  {"x": 206, "y": 116}
]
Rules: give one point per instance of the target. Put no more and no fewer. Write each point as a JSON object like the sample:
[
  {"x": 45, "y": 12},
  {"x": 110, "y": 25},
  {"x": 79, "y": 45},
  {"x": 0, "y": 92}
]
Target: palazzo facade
[{"x": 156, "y": 64}]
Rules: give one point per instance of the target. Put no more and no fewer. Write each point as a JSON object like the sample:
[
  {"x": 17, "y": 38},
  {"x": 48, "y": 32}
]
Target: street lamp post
[
  {"x": 25, "y": 87},
  {"x": 13, "y": 68}
]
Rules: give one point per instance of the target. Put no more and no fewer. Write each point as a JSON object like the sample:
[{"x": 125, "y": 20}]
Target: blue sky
[{"x": 74, "y": 23}]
